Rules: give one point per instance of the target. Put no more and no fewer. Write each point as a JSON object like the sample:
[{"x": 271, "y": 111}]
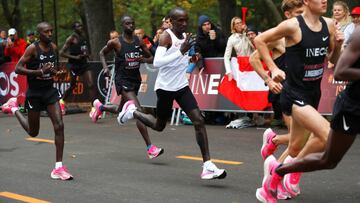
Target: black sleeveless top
[
  {"x": 42, "y": 57},
  {"x": 126, "y": 66},
  {"x": 280, "y": 62},
  {"x": 353, "y": 88},
  {"x": 305, "y": 61},
  {"x": 79, "y": 48}
]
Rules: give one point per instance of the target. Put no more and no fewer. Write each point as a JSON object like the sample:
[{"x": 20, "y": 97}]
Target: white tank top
[{"x": 172, "y": 77}]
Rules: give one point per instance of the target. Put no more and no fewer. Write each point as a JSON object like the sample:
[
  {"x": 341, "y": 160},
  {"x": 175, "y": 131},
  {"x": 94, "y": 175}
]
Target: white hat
[{"x": 11, "y": 31}]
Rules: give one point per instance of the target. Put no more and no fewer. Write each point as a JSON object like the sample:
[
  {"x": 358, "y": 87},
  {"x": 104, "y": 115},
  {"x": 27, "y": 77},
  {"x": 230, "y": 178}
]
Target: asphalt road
[{"x": 109, "y": 164}]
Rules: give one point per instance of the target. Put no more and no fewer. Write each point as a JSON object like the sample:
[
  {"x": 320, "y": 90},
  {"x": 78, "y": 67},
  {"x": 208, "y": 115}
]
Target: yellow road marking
[
  {"x": 213, "y": 160},
  {"x": 40, "y": 140},
  {"x": 22, "y": 198}
]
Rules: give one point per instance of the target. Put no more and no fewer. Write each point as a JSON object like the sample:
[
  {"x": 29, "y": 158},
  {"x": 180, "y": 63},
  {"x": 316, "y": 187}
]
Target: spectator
[
  {"x": 355, "y": 14},
  {"x": 239, "y": 42},
  {"x": 210, "y": 41},
  {"x": 166, "y": 23},
  {"x": 156, "y": 40},
  {"x": 2, "y": 37},
  {"x": 114, "y": 34},
  {"x": 15, "y": 46},
  {"x": 341, "y": 14},
  {"x": 140, "y": 33},
  {"x": 251, "y": 33},
  {"x": 30, "y": 37}
]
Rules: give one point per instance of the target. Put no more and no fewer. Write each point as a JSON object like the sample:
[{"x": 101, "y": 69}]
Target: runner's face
[
  {"x": 317, "y": 6},
  {"x": 78, "y": 28},
  {"x": 45, "y": 34},
  {"x": 180, "y": 22},
  {"x": 128, "y": 25}
]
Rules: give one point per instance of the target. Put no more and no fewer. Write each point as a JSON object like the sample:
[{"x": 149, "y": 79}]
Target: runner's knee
[{"x": 58, "y": 126}]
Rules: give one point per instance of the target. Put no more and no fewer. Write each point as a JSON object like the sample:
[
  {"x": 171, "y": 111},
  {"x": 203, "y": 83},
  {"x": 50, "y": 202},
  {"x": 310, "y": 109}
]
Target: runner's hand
[
  {"x": 188, "y": 43},
  {"x": 278, "y": 75},
  {"x": 107, "y": 72},
  {"x": 49, "y": 68},
  {"x": 274, "y": 87}
]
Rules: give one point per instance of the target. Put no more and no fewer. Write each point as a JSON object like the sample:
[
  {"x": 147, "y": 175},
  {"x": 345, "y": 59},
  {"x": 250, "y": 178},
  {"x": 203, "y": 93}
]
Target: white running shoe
[
  {"x": 127, "y": 112},
  {"x": 210, "y": 171}
]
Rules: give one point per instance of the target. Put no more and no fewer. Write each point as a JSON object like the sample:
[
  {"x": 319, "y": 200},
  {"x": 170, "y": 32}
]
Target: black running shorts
[
  {"x": 183, "y": 97},
  {"x": 346, "y": 115},
  {"x": 39, "y": 99},
  {"x": 290, "y": 96}
]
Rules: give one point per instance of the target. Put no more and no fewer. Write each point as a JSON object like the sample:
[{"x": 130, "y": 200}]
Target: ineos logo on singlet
[{"x": 311, "y": 52}]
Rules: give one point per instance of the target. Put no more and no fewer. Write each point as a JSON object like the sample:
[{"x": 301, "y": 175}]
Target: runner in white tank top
[{"x": 171, "y": 84}]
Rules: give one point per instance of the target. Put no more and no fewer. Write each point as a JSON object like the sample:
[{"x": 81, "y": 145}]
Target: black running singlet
[
  {"x": 280, "y": 62},
  {"x": 42, "y": 57},
  {"x": 79, "y": 48},
  {"x": 305, "y": 61},
  {"x": 126, "y": 65},
  {"x": 353, "y": 88}
]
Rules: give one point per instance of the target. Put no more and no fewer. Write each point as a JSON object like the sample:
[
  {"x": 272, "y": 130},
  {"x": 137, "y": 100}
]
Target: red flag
[{"x": 247, "y": 90}]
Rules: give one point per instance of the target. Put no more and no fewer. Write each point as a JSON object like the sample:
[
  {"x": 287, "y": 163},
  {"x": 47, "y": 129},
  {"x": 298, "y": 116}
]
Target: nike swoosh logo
[
  {"x": 59, "y": 94},
  {"x": 346, "y": 127},
  {"x": 29, "y": 105},
  {"x": 51, "y": 56},
  {"x": 299, "y": 102},
  {"x": 325, "y": 38}
]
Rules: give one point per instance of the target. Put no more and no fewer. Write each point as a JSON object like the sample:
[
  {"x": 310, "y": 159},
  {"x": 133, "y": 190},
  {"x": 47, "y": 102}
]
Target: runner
[
  {"x": 345, "y": 119},
  {"x": 128, "y": 56},
  {"x": 309, "y": 38},
  {"x": 171, "y": 84},
  {"x": 78, "y": 65},
  {"x": 40, "y": 60}
]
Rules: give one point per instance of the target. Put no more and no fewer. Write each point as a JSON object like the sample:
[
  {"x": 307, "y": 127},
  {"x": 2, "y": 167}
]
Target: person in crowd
[
  {"x": 3, "y": 37},
  {"x": 210, "y": 41},
  {"x": 239, "y": 42},
  {"x": 171, "y": 59},
  {"x": 113, "y": 34},
  {"x": 3, "y": 41},
  {"x": 166, "y": 23},
  {"x": 76, "y": 50},
  {"x": 355, "y": 14},
  {"x": 341, "y": 14},
  {"x": 15, "y": 46},
  {"x": 38, "y": 64},
  {"x": 140, "y": 33},
  {"x": 30, "y": 37}
]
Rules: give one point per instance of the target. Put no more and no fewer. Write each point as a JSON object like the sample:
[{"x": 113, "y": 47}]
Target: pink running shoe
[
  {"x": 62, "y": 106},
  {"x": 95, "y": 116},
  {"x": 291, "y": 181},
  {"x": 268, "y": 146},
  {"x": 262, "y": 196},
  {"x": 61, "y": 173},
  {"x": 272, "y": 179},
  {"x": 154, "y": 152},
  {"x": 11, "y": 103},
  {"x": 211, "y": 171},
  {"x": 126, "y": 113},
  {"x": 282, "y": 193}
]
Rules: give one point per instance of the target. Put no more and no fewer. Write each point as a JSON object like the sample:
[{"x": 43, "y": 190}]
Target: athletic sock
[
  {"x": 148, "y": 147},
  {"x": 58, "y": 165},
  {"x": 14, "y": 109}
]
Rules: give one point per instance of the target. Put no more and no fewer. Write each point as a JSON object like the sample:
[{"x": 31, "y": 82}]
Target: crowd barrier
[{"x": 204, "y": 87}]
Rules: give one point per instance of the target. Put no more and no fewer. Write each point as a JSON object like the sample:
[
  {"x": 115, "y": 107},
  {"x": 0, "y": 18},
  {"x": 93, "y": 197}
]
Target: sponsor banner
[
  {"x": 11, "y": 84},
  {"x": 204, "y": 86}
]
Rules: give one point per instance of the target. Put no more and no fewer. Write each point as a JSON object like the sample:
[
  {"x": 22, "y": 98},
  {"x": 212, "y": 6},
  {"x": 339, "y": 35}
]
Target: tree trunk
[
  {"x": 100, "y": 21},
  {"x": 228, "y": 10},
  {"x": 272, "y": 8},
  {"x": 12, "y": 17}
]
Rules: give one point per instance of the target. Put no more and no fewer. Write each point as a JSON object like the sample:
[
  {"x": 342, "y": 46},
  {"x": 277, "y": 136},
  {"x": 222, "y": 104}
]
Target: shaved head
[
  {"x": 41, "y": 26},
  {"x": 175, "y": 12}
]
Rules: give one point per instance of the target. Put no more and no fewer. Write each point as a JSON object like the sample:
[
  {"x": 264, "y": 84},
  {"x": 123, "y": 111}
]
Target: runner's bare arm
[
  {"x": 64, "y": 49},
  {"x": 28, "y": 55},
  {"x": 110, "y": 45},
  {"x": 336, "y": 40},
  {"x": 149, "y": 58},
  {"x": 344, "y": 69},
  {"x": 164, "y": 44}
]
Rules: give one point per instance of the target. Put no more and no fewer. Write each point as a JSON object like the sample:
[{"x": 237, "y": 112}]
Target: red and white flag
[{"x": 247, "y": 90}]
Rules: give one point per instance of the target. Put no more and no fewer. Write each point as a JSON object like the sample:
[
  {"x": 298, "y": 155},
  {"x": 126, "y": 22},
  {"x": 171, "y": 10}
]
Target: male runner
[
  {"x": 309, "y": 38},
  {"x": 78, "y": 62},
  {"x": 171, "y": 84},
  {"x": 40, "y": 60},
  {"x": 345, "y": 120},
  {"x": 271, "y": 140},
  {"x": 128, "y": 56}
]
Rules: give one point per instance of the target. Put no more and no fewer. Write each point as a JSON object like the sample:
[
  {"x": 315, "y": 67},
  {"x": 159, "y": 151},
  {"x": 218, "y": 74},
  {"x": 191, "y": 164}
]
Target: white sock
[
  {"x": 58, "y": 165},
  {"x": 14, "y": 109}
]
